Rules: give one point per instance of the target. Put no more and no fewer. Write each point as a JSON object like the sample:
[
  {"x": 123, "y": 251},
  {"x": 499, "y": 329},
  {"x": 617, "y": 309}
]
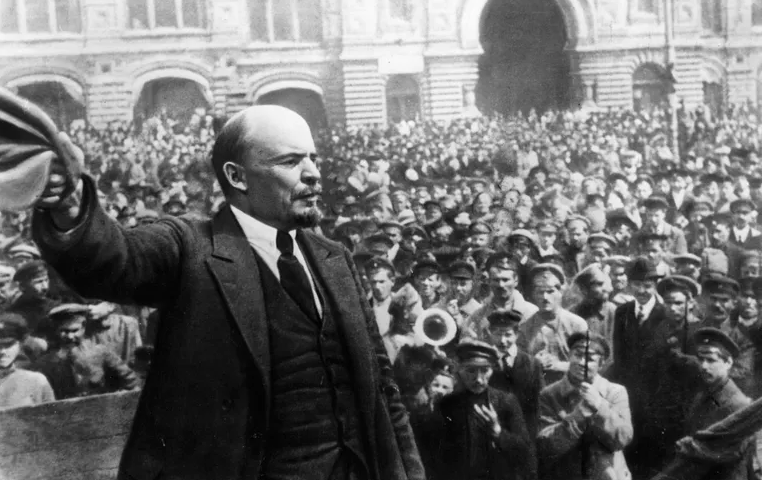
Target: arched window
[
  {"x": 150, "y": 14},
  {"x": 756, "y": 13},
  {"x": 650, "y": 87},
  {"x": 403, "y": 101},
  {"x": 286, "y": 20},
  {"x": 40, "y": 16}
]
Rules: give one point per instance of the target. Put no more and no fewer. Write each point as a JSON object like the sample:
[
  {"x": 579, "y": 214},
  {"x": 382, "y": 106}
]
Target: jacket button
[{"x": 227, "y": 404}]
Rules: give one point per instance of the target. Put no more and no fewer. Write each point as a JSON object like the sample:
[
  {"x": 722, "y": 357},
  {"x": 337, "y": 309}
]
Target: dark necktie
[{"x": 293, "y": 277}]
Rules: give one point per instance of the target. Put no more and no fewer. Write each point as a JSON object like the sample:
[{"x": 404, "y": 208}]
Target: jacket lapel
[
  {"x": 328, "y": 265},
  {"x": 234, "y": 266}
]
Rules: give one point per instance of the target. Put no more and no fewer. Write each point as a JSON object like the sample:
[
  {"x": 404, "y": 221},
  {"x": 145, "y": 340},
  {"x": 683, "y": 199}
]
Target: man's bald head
[{"x": 257, "y": 133}]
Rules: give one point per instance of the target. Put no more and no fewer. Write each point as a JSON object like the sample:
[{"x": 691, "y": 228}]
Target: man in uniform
[
  {"x": 78, "y": 367},
  {"x": 718, "y": 398},
  {"x": 34, "y": 303},
  {"x": 502, "y": 269},
  {"x": 584, "y": 419},
  {"x": 462, "y": 303},
  {"x": 545, "y": 333}
]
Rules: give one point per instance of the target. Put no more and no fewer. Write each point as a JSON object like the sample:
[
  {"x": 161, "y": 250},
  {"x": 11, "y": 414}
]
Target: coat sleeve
[
  {"x": 101, "y": 259},
  {"x": 611, "y": 424},
  {"x": 558, "y": 434},
  {"x": 397, "y": 411},
  {"x": 514, "y": 437},
  {"x": 119, "y": 373}
]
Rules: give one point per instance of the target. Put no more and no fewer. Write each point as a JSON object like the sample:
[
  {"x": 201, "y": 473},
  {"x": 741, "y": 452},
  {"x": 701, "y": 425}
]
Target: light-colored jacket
[
  {"x": 476, "y": 324},
  {"x": 563, "y": 422}
]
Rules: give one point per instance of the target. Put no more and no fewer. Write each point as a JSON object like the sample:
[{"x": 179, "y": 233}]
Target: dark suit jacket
[
  {"x": 525, "y": 380},
  {"x": 753, "y": 240},
  {"x": 510, "y": 457},
  {"x": 204, "y": 411}
]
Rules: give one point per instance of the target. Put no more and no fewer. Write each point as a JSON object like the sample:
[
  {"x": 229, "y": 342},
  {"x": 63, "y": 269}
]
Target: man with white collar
[
  {"x": 584, "y": 419},
  {"x": 743, "y": 234},
  {"x": 381, "y": 277},
  {"x": 547, "y": 233}
]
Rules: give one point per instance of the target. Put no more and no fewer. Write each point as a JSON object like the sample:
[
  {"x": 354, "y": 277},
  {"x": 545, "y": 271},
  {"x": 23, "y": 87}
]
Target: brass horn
[{"x": 435, "y": 327}]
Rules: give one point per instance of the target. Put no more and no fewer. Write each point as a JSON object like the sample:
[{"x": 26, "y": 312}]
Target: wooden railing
[{"x": 78, "y": 439}]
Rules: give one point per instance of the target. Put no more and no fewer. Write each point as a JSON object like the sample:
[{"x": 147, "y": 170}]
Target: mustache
[{"x": 308, "y": 192}]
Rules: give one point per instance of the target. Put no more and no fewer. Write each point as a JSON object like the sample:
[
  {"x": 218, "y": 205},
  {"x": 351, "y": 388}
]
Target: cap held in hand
[{"x": 29, "y": 146}]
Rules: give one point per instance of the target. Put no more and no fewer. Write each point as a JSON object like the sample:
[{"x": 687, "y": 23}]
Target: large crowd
[{"x": 590, "y": 287}]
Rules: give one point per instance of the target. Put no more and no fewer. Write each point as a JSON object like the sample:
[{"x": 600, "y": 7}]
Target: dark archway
[
  {"x": 178, "y": 98},
  {"x": 650, "y": 87},
  {"x": 63, "y": 104},
  {"x": 403, "y": 99},
  {"x": 306, "y": 103},
  {"x": 524, "y": 64}
]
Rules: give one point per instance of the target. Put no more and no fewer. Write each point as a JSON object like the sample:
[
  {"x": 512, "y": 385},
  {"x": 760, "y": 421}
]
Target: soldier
[
  {"x": 485, "y": 436},
  {"x": 34, "y": 303},
  {"x": 427, "y": 281},
  {"x": 462, "y": 304},
  {"x": 19, "y": 387},
  {"x": 119, "y": 333},
  {"x": 77, "y": 366},
  {"x": 719, "y": 398},
  {"x": 584, "y": 419},
  {"x": 547, "y": 233},
  {"x": 544, "y": 334}
]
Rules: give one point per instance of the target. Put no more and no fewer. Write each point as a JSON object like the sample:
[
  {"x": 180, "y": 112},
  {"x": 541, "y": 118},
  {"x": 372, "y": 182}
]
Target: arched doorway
[
  {"x": 650, "y": 87},
  {"x": 524, "y": 64},
  {"x": 306, "y": 103},
  {"x": 63, "y": 102},
  {"x": 403, "y": 99},
  {"x": 177, "y": 98}
]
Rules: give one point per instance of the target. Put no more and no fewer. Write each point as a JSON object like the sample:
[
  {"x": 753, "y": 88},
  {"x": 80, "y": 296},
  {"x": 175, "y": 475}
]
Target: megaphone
[{"x": 435, "y": 327}]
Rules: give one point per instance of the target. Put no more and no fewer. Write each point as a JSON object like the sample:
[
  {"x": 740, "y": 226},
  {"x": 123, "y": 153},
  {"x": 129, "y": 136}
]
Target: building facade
[{"x": 362, "y": 61}]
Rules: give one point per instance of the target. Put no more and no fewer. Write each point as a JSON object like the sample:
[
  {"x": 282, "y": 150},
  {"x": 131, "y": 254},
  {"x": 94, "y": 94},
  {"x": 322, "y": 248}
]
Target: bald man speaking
[{"x": 268, "y": 363}]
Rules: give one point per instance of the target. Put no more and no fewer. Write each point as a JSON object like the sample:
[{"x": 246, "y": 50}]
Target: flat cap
[
  {"x": 476, "y": 352},
  {"x": 379, "y": 263},
  {"x": 412, "y": 230},
  {"x": 479, "y": 228},
  {"x": 742, "y": 205},
  {"x": 656, "y": 202},
  {"x": 678, "y": 283},
  {"x": 426, "y": 266},
  {"x": 379, "y": 239},
  {"x": 24, "y": 250},
  {"x": 577, "y": 218},
  {"x": 30, "y": 270},
  {"x": 546, "y": 226},
  {"x": 521, "y": 233},
  {"x": 461, "y": 269},
  {"x": 720, "y": 218},
  {"x": 551, "y": 268},
  {"x": 617, "y": 260},
  {"x": 602, "y": 237},
  {"x": 503, "y": 261},
  {"x": 68, "y": 311},
  {"x": 618, "y": 217},
  {"x": 504, "y": 317},
  {"x": 390, "y": 224},
  {"x": 596, "y": 343},
  {"x": 720, "y": 285},
  {"x": 714, "y": 337},
  {"x": 12, "y": 327}
]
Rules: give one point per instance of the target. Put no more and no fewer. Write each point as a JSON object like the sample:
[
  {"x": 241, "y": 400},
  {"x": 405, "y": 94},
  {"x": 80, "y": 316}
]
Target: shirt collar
[
  {"x": 256, "y": 232},
  {"x": 649, "y": 305}
]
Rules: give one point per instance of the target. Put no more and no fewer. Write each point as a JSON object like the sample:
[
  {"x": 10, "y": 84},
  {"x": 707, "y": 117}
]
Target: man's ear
[{"x": 236, "y": 176}]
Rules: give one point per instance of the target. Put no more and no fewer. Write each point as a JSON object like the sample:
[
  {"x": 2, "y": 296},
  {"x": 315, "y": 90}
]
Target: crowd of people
[{"x": 598, "y": 295}]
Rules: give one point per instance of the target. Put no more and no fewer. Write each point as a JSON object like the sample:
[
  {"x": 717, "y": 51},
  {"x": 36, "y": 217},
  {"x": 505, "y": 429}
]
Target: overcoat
[{"x": 204, "y": 411}]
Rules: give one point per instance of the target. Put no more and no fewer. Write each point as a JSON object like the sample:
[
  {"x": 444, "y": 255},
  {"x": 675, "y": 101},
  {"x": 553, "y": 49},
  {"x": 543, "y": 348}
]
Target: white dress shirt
[
  {"x": 381, "y": 312},
  {"x": 741, "y": 234},
  {"x": 261, "y": 237},
  {"x": 645, "y": 309}
]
